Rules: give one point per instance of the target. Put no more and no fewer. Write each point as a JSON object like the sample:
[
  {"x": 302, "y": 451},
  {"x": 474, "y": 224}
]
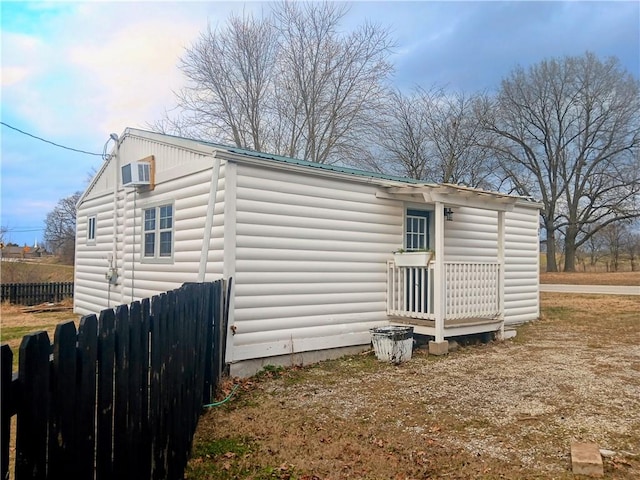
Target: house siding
[
  {"x": 92, "y": 292},
  {"x": 522, "y": 252},
  {"x": 473, "y": 237},
  {"x": 183, "y": 179},
  {"x": 306, "y": 249},
  {"x": 310, "y": 263}
]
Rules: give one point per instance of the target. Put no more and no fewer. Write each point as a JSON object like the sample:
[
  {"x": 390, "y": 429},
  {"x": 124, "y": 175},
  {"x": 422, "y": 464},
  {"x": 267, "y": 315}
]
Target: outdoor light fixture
[{"x": 448, "y": 214}]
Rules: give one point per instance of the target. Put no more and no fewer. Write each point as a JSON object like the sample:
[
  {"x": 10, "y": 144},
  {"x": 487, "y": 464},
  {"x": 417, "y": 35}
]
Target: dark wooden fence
[
  {"x": 34, "y": 293},
  {"x": 121, "y": 396}
]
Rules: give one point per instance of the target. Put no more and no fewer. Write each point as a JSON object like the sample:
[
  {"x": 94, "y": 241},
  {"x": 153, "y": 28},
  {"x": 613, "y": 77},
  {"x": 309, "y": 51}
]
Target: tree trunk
[
  {"x": 570, "y": 249},
  {"x": 552, "y": 266}
]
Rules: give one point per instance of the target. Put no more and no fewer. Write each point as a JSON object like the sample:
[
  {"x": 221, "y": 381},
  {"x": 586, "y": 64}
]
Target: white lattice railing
[{"x": 471, "y": 290}]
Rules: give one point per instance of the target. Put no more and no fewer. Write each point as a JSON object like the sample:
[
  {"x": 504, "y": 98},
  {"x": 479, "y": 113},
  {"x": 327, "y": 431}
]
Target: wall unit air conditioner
[{"x": 136, "y": 173}]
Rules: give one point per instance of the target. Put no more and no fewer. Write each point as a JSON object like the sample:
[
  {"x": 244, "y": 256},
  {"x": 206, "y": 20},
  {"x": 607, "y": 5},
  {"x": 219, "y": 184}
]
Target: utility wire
[
  {"x": 22, "y": 230},
  {"x": 52, "y": 143}
]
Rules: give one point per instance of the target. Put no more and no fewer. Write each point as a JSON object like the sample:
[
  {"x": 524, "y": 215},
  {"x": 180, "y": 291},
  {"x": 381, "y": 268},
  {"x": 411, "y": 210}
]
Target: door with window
[{"x": 417, "y": 237}]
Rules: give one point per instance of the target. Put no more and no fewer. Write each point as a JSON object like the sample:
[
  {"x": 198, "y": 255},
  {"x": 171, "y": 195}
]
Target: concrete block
[
  {"x": 509, "y": 334},
  {"x": 438, "y": 348},
  {"x": 586, "y": 459}
]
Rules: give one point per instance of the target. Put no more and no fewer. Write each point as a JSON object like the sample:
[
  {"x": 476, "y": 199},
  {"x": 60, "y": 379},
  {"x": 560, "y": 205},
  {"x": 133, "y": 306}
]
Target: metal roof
[{"x": 413, "y": 184}]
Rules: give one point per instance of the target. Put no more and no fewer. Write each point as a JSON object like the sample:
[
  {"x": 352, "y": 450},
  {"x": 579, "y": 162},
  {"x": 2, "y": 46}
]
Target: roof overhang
[{"x": 453, "y": 196}]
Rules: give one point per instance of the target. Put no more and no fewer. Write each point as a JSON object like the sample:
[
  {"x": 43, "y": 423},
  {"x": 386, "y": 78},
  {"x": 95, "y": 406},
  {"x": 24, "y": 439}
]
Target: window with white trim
[
  {"x": 91, "y": 229},
  {"x": 158, "y": 232},
  {"x": 417, "y": 230}
]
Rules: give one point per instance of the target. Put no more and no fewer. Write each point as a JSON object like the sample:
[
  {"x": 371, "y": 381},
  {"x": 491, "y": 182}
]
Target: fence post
[
  {"x": 62, "y": 442},
  {"x": 106, "y": 354},
  {"x": 6, "y": 406},
  {"x": 86, "y": 399},
  {"x": 33, "y": 410},
  {"x": 145, "y": 443},
  {"x": 121, "y": 403}
]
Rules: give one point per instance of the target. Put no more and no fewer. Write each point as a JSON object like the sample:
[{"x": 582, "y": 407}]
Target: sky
[{"x": 72, "y": 73}]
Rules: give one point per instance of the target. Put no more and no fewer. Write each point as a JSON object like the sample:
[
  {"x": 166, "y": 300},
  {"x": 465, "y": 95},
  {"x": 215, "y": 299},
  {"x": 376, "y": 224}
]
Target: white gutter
[{"x": 208, "y": 224}]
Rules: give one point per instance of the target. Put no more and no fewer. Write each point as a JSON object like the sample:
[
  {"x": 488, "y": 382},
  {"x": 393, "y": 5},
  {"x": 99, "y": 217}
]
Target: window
[
  {"x": 417, "y": 230},
  {"x": 158, "y": 232},
  {"x": 91, "y": 229}
]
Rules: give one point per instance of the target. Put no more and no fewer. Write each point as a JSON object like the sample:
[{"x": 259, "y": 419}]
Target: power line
[
  {"x": 23, "y": 230},
  {"x": 52, "y": 143}
]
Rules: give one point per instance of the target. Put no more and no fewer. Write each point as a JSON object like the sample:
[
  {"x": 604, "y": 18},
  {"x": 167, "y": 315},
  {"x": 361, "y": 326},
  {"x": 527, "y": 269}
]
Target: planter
[
  {"x": 412, "y": 259},
  {"x": 392, "y": 344}
]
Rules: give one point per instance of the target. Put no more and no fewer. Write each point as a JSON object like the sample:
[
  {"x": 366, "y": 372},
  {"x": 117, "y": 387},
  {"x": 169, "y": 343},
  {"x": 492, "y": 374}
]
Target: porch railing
[
  {"x": 470, "y": 290},
  {"x": 410, "y": 291}
]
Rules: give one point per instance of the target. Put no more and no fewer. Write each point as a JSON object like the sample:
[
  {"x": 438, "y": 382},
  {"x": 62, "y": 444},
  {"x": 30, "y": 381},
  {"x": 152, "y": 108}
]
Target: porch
[
  {"x": 467, "y": 302},
  {"x": 451, "y": 294}
]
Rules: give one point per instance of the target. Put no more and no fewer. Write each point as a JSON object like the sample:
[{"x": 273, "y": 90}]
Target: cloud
[
  {"x": 98, "y": 66},
  {"x": 475, "y": 44},
  {"x": 131, "y": 75}
]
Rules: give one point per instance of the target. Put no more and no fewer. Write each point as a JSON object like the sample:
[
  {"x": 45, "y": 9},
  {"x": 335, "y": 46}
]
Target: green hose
[{"x": 221, "y": 402}]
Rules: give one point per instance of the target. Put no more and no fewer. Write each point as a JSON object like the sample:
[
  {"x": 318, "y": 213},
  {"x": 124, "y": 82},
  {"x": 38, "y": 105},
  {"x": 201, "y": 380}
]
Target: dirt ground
[{"x": 486, "y": 411}]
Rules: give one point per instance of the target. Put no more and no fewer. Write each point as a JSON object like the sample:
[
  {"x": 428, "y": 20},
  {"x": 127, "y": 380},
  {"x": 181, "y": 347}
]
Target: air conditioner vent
[{"x": 136, "y": 173}]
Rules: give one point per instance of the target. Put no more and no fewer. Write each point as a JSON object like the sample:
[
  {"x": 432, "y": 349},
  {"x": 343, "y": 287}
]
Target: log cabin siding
[
  {"x": 310, "y": 262},
  {"x": 183, "y": 177},
  {"x": 522, "y": 252}
]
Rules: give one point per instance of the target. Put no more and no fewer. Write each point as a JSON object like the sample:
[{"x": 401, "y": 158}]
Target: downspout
[{"x": 208, "y": 224}]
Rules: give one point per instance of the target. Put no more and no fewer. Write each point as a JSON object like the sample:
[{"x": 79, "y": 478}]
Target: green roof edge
[{"x": 296, "y": 161}]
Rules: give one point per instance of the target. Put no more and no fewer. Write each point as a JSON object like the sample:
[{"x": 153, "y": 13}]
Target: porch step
[
  {"x": 458, "y": 322},
  {"x": 452, "y": 328}
]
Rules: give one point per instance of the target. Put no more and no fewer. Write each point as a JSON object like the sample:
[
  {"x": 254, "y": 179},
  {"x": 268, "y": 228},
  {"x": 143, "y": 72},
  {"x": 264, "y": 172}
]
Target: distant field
[
  {"x": 32, "y": 271},
  {"x": 586, "y": 278}
]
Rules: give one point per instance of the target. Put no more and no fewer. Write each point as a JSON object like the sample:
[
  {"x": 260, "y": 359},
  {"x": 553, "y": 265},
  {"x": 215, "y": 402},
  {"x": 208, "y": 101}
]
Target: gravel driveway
[{"x": 497, "y": 410}]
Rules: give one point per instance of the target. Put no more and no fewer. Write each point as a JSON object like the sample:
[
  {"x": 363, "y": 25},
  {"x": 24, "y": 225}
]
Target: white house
[{"x": 309, "y": 247}]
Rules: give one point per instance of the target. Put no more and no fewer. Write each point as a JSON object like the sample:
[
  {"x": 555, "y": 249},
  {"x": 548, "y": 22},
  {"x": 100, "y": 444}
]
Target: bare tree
[
  {"x": 434, "y": 135},
  {"x": 60, "y": 228},
  {"x": 595, "y": 247},
  {"x": 614, "y": 235},
  {"x": 459, "y": 145},
  {"x": 231, "y": 75},
  {"x": 402, "y": 138},
  {"x": 568, "y": 132},
  {"x": 632, "y": 245},
  {"x": 331, "y": 82},
  {"x": 290, "y": 83}
]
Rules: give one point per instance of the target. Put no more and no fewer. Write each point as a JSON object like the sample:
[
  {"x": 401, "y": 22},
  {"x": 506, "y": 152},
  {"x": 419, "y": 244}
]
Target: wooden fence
[
  {"x": 34, "y": 293},
  {"x": 121, "y": 396}
]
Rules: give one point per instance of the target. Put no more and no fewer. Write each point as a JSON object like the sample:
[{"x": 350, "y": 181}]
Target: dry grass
[
  {"x": 581, "y": 278},
  {"x": 35, "y": 271},
  {"x": 501, "y": 410},
  {"x": 15, "y": 323}
]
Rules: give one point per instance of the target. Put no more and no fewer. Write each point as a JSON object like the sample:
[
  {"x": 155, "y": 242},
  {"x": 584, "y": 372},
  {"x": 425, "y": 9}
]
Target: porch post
[
  {"x": 501, "y": 246},
  {"x": 439, "y": 283}
]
